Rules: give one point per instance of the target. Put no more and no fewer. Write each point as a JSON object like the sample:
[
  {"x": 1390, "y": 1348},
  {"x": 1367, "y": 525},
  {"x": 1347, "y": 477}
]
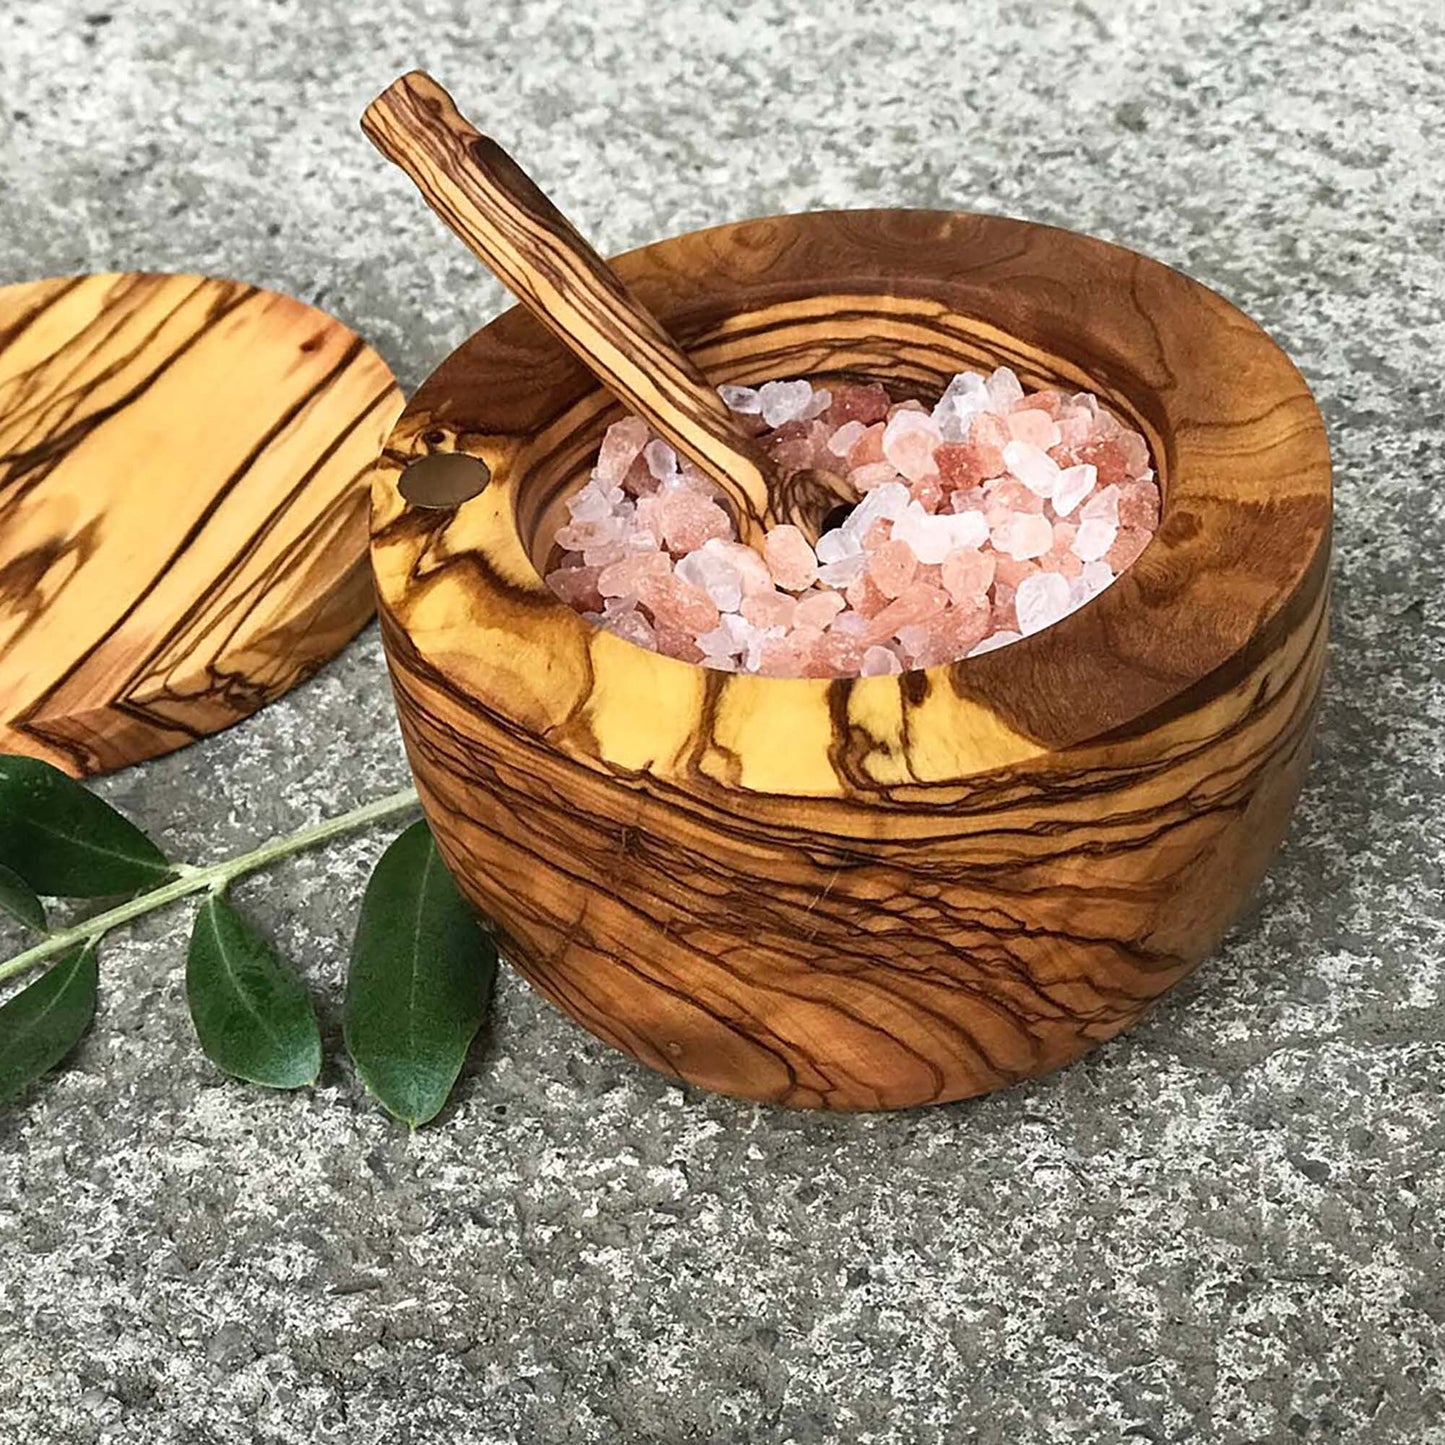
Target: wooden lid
[{"x": 183, "y": 469}]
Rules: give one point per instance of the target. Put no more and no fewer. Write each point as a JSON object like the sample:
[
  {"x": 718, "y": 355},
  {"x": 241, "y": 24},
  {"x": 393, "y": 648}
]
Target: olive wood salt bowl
[{"x": 878, "y": 892}]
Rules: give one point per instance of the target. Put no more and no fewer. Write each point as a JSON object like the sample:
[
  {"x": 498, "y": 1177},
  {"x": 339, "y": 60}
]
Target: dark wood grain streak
[
  {"x": 183, "y": 468},
  {"x": 876, "y": 892},
  {"x": 486, "y": 198}
]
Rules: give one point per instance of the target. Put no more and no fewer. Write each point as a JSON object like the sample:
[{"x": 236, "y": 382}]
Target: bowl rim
[{"x": 1247, "y": 465}]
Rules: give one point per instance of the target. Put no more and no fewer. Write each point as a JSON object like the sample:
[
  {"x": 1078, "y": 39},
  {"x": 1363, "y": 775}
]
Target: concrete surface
[{"x": 1224, "y": 1228}]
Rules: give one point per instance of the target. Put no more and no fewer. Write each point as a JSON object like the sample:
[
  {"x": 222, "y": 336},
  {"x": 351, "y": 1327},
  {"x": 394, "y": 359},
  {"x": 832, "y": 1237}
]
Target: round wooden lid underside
[
  {"x": 183, "y": 466},
  {"x": 1240, "y": 557}
]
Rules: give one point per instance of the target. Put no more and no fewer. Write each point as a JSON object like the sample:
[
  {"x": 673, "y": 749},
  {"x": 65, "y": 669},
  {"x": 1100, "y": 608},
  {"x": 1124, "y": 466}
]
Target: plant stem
[{"x": 215, "y": 877}]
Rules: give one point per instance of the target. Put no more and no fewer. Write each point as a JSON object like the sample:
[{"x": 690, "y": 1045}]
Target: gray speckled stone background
[{"x": 1225, "y": 1227}]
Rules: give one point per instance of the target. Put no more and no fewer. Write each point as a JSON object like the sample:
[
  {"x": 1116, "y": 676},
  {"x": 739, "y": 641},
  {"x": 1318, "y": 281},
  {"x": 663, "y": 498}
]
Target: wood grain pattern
[
  {"x": 486, "y": 198},
  {"x": 183, "y": 467},
  {"x": 884, "y": 891}
]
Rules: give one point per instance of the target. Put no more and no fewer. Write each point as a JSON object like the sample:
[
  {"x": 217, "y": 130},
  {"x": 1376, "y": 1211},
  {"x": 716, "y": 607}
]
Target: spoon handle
[{"x": 486, "y": 198}]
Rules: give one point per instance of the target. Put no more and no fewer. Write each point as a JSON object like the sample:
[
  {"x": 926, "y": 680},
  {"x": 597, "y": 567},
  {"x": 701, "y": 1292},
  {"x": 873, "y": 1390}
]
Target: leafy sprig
[{"x": 421, "y": 966}]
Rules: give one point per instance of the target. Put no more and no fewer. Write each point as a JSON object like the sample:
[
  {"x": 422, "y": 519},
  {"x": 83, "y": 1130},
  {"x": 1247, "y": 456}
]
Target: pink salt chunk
[
  {"x": 1010, "y": 572},
  {"x": 1008, "y": 496},
  {"x": 1033, "y": 426},
  {"x": 917, "y": 603},
  {"x": 790, "y": 559},
  {"x": 892, "y": 567},
  {"x": 621, "y": 446},
  {"x": 577, "y": 587},
  {"x": 688, "y": 519},
  {"x": 864, "y": 597},
  {"x": 968, "y": 574},
  {"x": 1051, "y": 403},
  {"x": 818, "y": 609},
  {"x": 1139, "y": 505},
  {"x": 989, "y": 435},
  {"x": 1127, "y": 546},
  {"x": 627, "y": 575},
  {"x": 947, "y": 636},
  {"x": 864, "y": 479},
  {"x": 634, "y": 627},
  {"x": 909, "y": 442},
  {"x": 677, "y": 606},
  {"x": 867, "y": 451},
  {"x": 679, "y": 644},
  {"x": 961, "y": 464},
  {"x": 1023, "y": 535},
  {"x": 769, "y": 609},
  {"x": 857, "y": 403}
]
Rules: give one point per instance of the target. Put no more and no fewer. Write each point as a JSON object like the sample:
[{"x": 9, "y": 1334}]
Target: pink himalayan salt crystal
[
  {"x": 909, "y": 441},
  {"x": 1075, "y": 428},
  {"x": 867, "y": 451},
  {"x": 928, "y": 492},
  {"x": 975, "y": 499},
  {"x": 799, "y": 445},
  {"x": 621, "y": 446},
  {"x": 661, "y": 460},
  {"x": 1023, "y": 534},
  {"x": 988, "y": 436},
  {"x": 678, "y": 643},
  {"x": 864, "y": 479},
  {"x": 627, "y": 574},
  {"x": 838, "y": 655},
  {"x": 1006, "y": 496},
  {"x": 879, "y": 662},
  {"x": 1041, "y": 600},
  {"x": 961, "y": 464},
  {"x": 1051, "y": 403},
  {"x": 1005, "y": 618},
  {"x": 892, "y": 567},
  {"x": 577, "y": 587},
  {"x": 917, "y": 603},
  {"x": 795, "y": 655},
  {"x": 857, "y": 403},
  {"x": 1130, "y": 542},
  {"x": 1010, "y": 571},
  {"x": 946, "y": 636},
  {"x": 864, "y": 597},
  {"x": 790, "y": 559},
  {"x": 634, "y": 627},
  {"x": 818, "y": 609},
  {"x": 967, "y": 574},
  {"x": 1139, "y": 505},
  {"x": 769, "y": 609},
  {"x": 751, "y": 568},
  {"x": 688, "y": 519},
  {"x": 678, "y": 605},
  {"x": 1034, "y": 426}
]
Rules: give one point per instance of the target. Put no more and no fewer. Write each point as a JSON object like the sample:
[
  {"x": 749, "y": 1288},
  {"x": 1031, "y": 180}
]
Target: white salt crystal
[
  {"x": 1001, "y": 638},
  {"x": 1095, "y": 537},
  {"x": 822, "y": 399},
  {"x": 661, "y": 459},
  {"x": 965, "y": 396},
  {"x": 1042, "y": 599},
  {"x": 1004, "y": 388},
  {"x": 1074, "y": 484},
  {"x": 879, "y": 662},
  {"x": 742, "y": 399},
  {"x": 835, "y": 545},
  {"x": 1095, "y": 577},
  {"x": 884, "y": 503},
  {"x": 933, "y": 537},
  {"x": 590, "y": 504},
  {"x": 844, "y": 572},
  {"x": 715, "y": 574},
  {"x": 1033, "y": 466},
  {"x": 782, "y": 401},
  {"x": 1103, "y": 506},
  {"x": 846, "y": 438}
]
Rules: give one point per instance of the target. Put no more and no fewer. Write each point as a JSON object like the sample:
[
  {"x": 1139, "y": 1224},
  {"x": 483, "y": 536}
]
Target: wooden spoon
[{"x": 496, "y": 208}]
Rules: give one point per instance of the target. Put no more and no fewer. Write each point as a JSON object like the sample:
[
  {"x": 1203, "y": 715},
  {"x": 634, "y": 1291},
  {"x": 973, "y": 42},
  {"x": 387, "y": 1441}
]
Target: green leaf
[
  {"x": 252, "y": 1015},
  {"x": 64, "y": 841},
  {"x": 18, "y": 899},
  {"x": 420, "y": 978},
  {"x": 45, "y": 1020}
]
